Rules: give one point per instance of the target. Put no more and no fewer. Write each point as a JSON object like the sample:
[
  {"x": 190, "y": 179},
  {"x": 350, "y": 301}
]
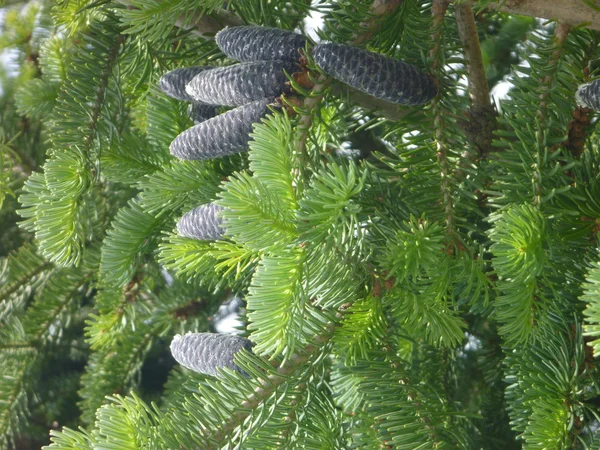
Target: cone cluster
[
  {"x": 208, "y": 352},
  {"x": 268, "y": 55}
]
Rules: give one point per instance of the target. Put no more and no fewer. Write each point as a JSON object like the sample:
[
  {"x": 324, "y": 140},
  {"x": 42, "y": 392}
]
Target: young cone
[
  {"x": 376, "y": 75},
  {"x": 207, "y": 352},
  {"x": 588, "y": 94},
  {"x": 241, "y": 83},
  {"x": 252, "y": 43},
  {"x": 173, "y": 83},
  {"x": 202, "y": 223},
  {"x": 220, "y": 136},
  {"x": 199, "y": 112}
]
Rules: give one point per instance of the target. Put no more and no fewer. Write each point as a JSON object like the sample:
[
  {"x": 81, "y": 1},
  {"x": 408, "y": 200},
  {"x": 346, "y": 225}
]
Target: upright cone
[
  {"x": 207, "y": 352},
  {"x": 377, "y": 75},
  {"x": 202, "y": 223},
  {"x": 241, "y": 83},
  {"x": 252, "y": 43},
  {"x": 173, "y": 83},
  {"x": 220, "y": 136}
]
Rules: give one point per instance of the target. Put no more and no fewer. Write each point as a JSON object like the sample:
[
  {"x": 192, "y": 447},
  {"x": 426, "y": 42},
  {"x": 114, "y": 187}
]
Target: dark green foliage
[
  {"x": 241, "y": 83},
  {"x": 377, "y": 75},
  {"x": 252, "y": 43}
]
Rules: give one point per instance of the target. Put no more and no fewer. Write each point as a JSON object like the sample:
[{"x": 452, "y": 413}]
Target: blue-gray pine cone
[
  {"x": 588, "y": 94},
  {"x": 376, "y": 75},
  {"x": 203, "y": 222},
  {"x": 226, "y": 134},
  {"x": 241, "y": 83},
  {"x": 252, "y": 43},
  {"x": 199, "y": 112},
  {"x": 173, "y": 83},
  {"x": 207, "y": 352}
]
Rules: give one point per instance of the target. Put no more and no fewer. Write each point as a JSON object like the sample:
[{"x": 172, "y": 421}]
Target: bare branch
[
  {"x": 482, "y": 115},
  {"x": 569, "y": 12}
]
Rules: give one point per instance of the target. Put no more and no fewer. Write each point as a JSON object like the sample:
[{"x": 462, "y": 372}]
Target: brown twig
[
  {"x": 482, "y": 116},
  {"x": 569, "y": 12}
]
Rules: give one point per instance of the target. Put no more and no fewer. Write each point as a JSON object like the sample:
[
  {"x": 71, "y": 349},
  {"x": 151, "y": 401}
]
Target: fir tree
[{"x": 421, "y": 276}]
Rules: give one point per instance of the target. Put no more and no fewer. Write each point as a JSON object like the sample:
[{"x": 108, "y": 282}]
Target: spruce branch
[
  {"x": 560, "y": 35},
  {"x": 214, "y": 438},
  {"x": 101, "y": 91},
  {"x": 438, "y": 10},
  {"x": 482, "y": 115},
  {"x": 378, "y": 9}
]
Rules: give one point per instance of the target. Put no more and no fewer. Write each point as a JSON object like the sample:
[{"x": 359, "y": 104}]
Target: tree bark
[{"x": 570, "y": 12}]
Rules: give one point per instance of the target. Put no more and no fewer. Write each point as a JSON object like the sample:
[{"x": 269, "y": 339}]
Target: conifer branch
[
  {"x": 101, "y": 92},
  {"x": 438, "y": 9},
  {"x": 13, "y": 287},
  {"x": 560, "y": 35},
  {"x": 212, "y": 439},
  {"x": 482, "y": 115}
]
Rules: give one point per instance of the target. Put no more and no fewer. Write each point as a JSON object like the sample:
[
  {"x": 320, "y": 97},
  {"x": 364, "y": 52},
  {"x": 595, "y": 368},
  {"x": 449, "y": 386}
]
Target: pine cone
[
  {"x": 207, "y": 352},
  {"x": 203, "y": 222},
  {"x": 223, "y": 135},
  {"x": 377, "y": 75},
  {"x": 240, "y": 84},
  {"x": 252, "y": 43},
  {"x": 588, "y": 94},
  {"x": 173, "y": 83},
  {"x": 199, "y": 112}
]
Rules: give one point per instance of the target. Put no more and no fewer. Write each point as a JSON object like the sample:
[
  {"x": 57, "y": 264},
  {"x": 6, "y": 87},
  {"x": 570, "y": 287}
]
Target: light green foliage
[
  {"x": 416, "y": 252},
  {"x": 519, "y": 259},
  {"x": 425, "y": 282}
]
